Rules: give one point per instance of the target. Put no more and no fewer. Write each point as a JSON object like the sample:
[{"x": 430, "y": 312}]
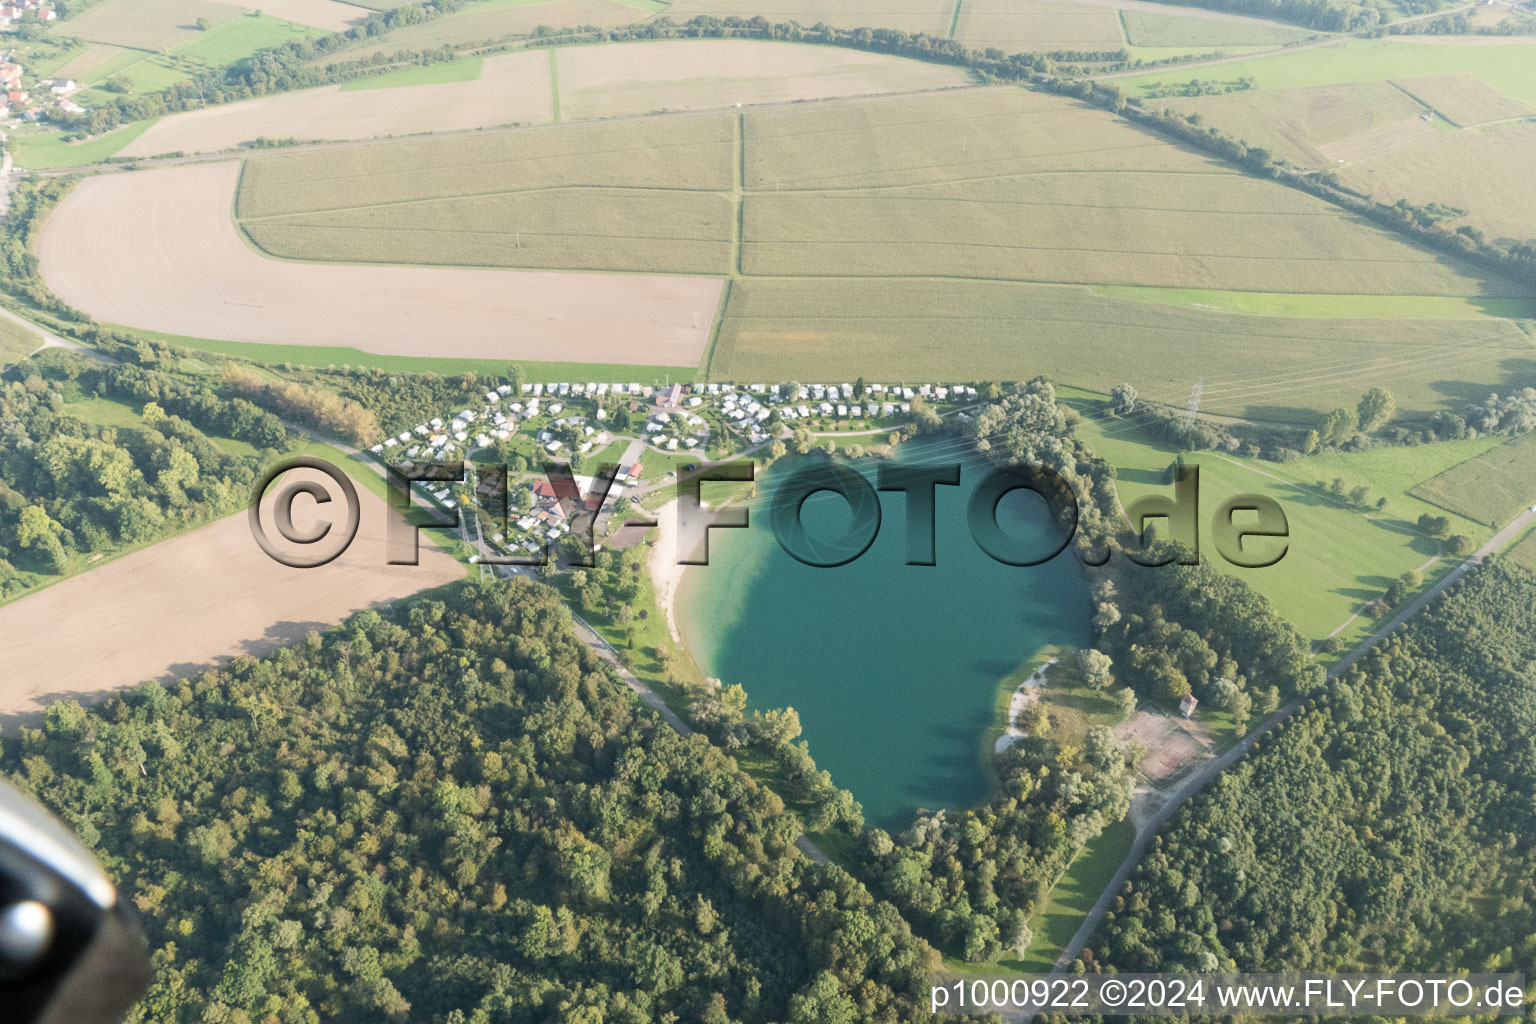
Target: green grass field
[
  {"x": 1338, "y": 558},
  {"x": 45, "y": 152},
  {"x": 1491, "y": 488},
  {"x": 1145, "y": 28},
  {"x": 1058, "y": 918},
  {"x": 324, "y": 356},
  {"x": 16, "y": 343},
  {"x": 466, "y": 69},
  {"x": 243, "y": 36}
]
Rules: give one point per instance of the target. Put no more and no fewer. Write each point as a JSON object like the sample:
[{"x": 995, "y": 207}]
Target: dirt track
[
  {"x": 159, "y": 250},
  {"x": 512, "y": 89},
  {"x": 191, "y": 602}
]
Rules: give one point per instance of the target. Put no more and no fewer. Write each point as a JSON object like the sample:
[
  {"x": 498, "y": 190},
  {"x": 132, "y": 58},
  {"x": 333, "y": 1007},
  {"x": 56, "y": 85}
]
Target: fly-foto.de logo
[{"x": 1247, "y": 530}]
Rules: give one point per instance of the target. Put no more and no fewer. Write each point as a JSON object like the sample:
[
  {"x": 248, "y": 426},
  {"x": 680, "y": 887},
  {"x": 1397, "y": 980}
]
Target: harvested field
[
  {"x": 158, "y": 250},
  {"x": 148, "y": 24},
  {"x": 1462, "y": 99},
  {"x": 636, "y": 230},
  {"x": 82, "y": 65},
  {"x": 512, "y": 89},
  {"x": 1477, "y": 171},
  {"x": 326, "y": 14},
  {"x": 1021, "y": 26},
  {"x": 1144, "y": 28},
  {"x": 930, "y": 16},
  {"x": 1015, "y": 185},
  {"x": 685, "y": 153},
  {"x": 638, "y": 78},
  {"x": 1272, "y": 368},
  {"x": 194, "y": 601},
  {"x": 977, "y": 134},
  {"x": 1298, "y": 125},
  {"x": 1216, "y": 231},
  {"x": 479, "y": 23},
  {"x": 1372, "y": 136},
  {"x": 1491, "y": 488}
]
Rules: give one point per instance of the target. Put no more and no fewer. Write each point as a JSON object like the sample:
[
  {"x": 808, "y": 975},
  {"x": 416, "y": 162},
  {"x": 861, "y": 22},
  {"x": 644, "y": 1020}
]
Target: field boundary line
[
  {"x": 954, "y": 19},
  {"x": 719, "y": 325},
  {"x": 554, "y": 87},
  {"x": 424, "y": 200},
  {"x": 1394, "y": 83}
]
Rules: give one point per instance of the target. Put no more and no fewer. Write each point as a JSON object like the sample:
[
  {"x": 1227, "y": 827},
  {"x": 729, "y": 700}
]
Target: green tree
[{"x": 1377, "y": 406}]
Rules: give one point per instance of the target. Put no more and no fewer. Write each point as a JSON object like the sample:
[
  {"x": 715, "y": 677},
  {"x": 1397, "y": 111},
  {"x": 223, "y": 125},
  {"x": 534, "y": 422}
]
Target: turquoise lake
[{"x": 893, "y": 669}]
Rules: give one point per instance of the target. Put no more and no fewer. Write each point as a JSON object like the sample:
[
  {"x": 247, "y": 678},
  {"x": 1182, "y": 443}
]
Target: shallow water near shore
[{"x": 894, "y": 669}]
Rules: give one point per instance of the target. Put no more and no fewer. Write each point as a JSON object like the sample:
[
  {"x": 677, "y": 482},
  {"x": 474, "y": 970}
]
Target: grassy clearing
[
  {"x": 326, "y": 356},
  {"x": 466, "y": 69},
  {"x": 1075, "y": 893},
  {"x": 243, "y": 36},
  {"x": 152, "y": 25},
  {"x": 1268, "y": 368},
  {"x": 644, "y": 230},
  {"x": 47, "y": 152},
  {"x": 1338, "y": 557},
  {"x": 1492, "y": 488},
  {"x": 1145, "y": 28},
  {"x": 675, "y": 153}
]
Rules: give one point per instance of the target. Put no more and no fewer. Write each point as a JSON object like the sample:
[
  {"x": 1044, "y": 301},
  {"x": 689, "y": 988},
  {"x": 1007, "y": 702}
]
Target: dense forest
[
  {"x": 71, "y": 488},
  {"x": 454, "y": 814},
  {"x": 1386, "y": 827}
]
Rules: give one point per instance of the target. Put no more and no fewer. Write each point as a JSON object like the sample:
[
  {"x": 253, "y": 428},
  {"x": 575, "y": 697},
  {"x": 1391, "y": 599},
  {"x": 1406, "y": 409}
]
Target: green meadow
[
  {"x": 1510, "y": 69},
  {"x": 1339, "y": 557}
]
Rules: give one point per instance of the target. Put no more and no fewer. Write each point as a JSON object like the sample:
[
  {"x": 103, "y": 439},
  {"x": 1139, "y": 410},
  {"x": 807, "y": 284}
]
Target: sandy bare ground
[
  {"x": 159, "y": 250},
  {"x": 191, "y": 602},
  {"x": 666, "y": 574},
  {"x": 639, "y": 78},
  {"x": 512, "y": 89},
  {"x": 326, "y": 14}
]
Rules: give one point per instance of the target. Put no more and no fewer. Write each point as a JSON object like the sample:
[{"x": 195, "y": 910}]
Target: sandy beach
[
  {"x": 666, "y": 573},
  {"x": 1017, "y": 703}
]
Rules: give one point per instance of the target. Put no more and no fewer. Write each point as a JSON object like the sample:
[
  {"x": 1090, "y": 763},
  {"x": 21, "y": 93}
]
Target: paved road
[{"x": 1207, "y": 771}]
